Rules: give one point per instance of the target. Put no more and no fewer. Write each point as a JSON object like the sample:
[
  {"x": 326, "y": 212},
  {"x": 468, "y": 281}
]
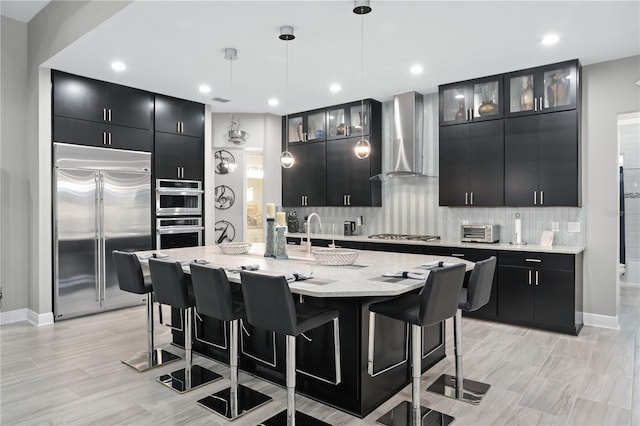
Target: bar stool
[
  {"x": 472, "y": 298},
  {"x": 131, "y": 279},
  {"x": 170, "y": 287},
  {"x": 436, "y": 303},
  {"x": 214, "y": 299},
  {"x": 270, "y": 306}
]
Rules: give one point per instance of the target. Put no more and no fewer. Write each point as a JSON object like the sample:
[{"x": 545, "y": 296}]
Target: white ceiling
[
  {"x": 172, "y": 47},
  {"x": 23, "y": 10}
]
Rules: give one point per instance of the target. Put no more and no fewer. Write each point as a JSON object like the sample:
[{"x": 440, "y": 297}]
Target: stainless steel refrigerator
[{"x": 101, "y": 202}]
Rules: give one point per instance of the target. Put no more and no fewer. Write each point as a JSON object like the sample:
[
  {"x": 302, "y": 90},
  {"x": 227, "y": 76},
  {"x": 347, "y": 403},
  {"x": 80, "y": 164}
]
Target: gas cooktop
[{"x": 405, "y": 237}]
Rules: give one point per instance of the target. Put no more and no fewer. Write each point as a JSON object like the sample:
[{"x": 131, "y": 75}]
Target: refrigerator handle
[
  {"x": 102, "y": 254},
  {"x": 97, "y": 235}
]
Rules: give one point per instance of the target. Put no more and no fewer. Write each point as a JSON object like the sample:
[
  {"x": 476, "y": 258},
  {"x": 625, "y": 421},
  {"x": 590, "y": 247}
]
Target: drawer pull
[
  {"x": 534, "y": 260},
  {"x": 457, "y": 255}
]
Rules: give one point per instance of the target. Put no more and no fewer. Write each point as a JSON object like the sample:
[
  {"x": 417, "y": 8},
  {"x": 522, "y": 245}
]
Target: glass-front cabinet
[
  {"x": 348, "y": 120},
  {"x": 473, "y": 100},
  {"x": 543, "y": 89},
  {"x": 306, "y": 126}
]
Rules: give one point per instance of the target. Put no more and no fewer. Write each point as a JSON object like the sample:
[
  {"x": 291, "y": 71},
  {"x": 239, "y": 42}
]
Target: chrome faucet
[{"x": 309, "y": 229}]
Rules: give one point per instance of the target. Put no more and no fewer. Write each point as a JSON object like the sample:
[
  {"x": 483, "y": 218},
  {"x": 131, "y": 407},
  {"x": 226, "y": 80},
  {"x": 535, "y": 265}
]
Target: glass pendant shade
[
  {"x": 362, "y": 148},
  {"x": 286, "y": 160}
]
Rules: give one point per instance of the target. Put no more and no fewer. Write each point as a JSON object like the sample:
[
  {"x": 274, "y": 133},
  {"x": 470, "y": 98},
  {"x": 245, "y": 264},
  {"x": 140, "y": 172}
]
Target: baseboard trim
[
  {"x": 25, "y": 314},
  {"x": 602, "y": 321}
]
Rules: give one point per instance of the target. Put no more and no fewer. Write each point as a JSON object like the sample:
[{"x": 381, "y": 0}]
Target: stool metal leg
[
  {"x": 192, "y": 376},
  {"x": 412, "y": 413},
  {"x": 235, "y": 400},
  {"x": 153, "y": 357},
  {"x": 457, "y": 387}
]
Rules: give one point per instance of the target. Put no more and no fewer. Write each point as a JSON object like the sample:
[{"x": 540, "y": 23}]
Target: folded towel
[
  {"x": 436, "y": 264},
  {"x": 244, "y": 268},
  {"x": 406, "y": 274},
  {"x": 298, "y": 276}
]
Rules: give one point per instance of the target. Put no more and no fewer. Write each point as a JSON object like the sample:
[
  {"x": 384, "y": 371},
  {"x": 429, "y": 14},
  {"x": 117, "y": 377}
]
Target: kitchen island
[{"x": 348, "y": 289}]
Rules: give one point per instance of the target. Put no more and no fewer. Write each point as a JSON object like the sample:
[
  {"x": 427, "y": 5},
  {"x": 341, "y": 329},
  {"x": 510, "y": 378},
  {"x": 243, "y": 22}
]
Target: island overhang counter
[{"x": 348, "y": 289}]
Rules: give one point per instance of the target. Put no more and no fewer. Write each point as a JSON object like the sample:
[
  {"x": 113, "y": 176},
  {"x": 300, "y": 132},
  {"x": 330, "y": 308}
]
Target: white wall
[
  {"x": 608, "y": 89},
  {"x": 14, "y": 184}
]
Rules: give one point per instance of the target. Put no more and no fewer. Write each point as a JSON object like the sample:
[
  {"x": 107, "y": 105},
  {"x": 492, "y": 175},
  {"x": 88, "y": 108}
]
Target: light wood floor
[{"x": 70, "y": 373}]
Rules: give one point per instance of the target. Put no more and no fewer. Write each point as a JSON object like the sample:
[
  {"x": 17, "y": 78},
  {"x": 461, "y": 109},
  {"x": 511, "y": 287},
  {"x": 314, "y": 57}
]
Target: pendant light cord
[
  {"x": 231, "y": 90},
  {"x": 286, "y": 92},
  {"x": 362, "y": 73}
]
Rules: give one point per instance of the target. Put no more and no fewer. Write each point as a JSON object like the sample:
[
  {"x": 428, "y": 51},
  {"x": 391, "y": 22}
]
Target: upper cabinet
[
  {"x": 537, "y": 90},
  {"x": 93, "y": 100},
  {"x": 469, "y": 101},
  {"x": 349, "y": 120},
  {"x": 306, "y": 126},
  {"x": 179, "y": 116}
]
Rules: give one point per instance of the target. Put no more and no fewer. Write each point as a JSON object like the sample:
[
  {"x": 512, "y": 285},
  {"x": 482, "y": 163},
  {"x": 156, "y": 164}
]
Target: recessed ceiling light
[
  {"x": 335, "y": 88},
  {"x": 118, "y": 66},
  {"x": 550, "y": 39},
  {"x": 204, "y": 88},
  {"x": 416, "y": 69},
  {"x": 273, "y": 102}
]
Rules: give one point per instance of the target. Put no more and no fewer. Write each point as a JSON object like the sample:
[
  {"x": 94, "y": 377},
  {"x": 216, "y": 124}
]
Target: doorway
[{"x": 255, "y": 176}]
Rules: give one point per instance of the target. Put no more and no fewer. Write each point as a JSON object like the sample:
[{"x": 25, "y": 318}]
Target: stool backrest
[
  {"x": 170, "y": 284},
  {"x": 441, "y": 294},
  {"x": 129, "y": 272},
  {"x": 269, "y": 302},
  {"x": 480, "y": 283},
  {"x": 212, "y": 292}
]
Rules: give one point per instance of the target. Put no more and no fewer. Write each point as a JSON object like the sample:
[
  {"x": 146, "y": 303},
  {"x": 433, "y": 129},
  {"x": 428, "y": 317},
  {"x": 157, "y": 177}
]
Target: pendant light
[
  {"x": 363, "y": 146},
  {"x": 236, "y": 135},
  {"x": 286, "y": 158}
]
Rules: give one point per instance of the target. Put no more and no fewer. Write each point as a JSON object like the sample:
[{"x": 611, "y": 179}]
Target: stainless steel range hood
[{"x": 408, "y": 112}]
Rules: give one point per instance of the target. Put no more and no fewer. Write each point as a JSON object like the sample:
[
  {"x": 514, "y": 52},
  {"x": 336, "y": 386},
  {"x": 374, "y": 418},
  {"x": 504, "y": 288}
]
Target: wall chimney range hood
[{"x": 408, "y": 112}]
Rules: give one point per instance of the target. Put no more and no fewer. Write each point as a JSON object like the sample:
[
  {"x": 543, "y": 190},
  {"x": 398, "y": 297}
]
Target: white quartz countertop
[
  {"x": 362, "y": 279},
  {"x": 448, "y": 243}
]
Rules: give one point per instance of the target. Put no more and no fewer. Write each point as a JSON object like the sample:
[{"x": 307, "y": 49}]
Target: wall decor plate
[
  {"x": 224, "y": 197},
  {"x": 225, "y": 162},
  {"x": 225, "y": 232}
]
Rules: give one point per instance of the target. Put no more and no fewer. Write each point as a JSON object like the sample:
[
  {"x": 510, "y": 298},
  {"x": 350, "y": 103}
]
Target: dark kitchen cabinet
[
  {"x": 305, "y": 126},
  {"x": 179, "y": 116},
  {"x": 352, "y": 119},
  {"x": 542, "y": 160},
  {"x": 304, "y": 184},
  {"x": 469, "y": 101},
  {"x": 348, "y": 176},
  {"x": 178, "y": 157},
  {"x": 81, "y": 132},
  {"x": 541, "y": 289},
  {"x": 472, "y": 164},
  {"x": 549, "y": 88},
  {"x": 93, "y": 100}
]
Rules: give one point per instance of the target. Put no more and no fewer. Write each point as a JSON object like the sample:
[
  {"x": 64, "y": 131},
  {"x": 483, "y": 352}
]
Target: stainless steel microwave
[
  {"x": 480, "y": 233},
  {"x": 178, "y": 197}
]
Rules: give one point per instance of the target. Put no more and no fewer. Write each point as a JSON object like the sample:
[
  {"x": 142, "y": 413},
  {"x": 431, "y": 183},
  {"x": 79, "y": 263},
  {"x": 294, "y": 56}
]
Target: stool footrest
[
  {"x": 280, "y": 419},
  {"x": 223, "y": 402},
  {"x": 181, "y": 382},
  {"x": 142, "y": 361},
  {"x": 401, "y": 415},
  {"x": 472, "y": 391}
]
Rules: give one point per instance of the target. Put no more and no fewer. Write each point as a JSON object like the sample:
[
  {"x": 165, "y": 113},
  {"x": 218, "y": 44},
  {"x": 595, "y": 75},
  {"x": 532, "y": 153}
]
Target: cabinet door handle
[
  {"x": 471, "y": 113},
  {"x": 466, "y": 198},
  {"x": 109, "y": 138},
  {"x": 529, "y": 276},
  {"x": 104, "y": 114},
  {"x": 535, "y": 198},
  {"x": 349, "y": 199},
  {"x": 178, "y": 171},
  {"x": 534, "y": 260},
  {"x": 182, "y": 127},
  {"x": 536, "y": 277},
  {"x": 109, "y": 114},
  {"x": 104, "y": 138},
  {"x": 457, "y": 254},
  {"x": 344, "y": 200},
  {"x": 535, "y": 103},
  {"x": 466, "y": 117},
  {"x": 177, "y": 127},
  {"x": 541, "y": 197},
  {"x": 541, "y": 104},
  {"x": 183, "y": 172},
  {"x": 472, "y": 198}
]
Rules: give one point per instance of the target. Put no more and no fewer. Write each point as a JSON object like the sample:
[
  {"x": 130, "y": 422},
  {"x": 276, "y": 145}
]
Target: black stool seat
[
  {"x": 437, "y": 302},
  {"x": 132, "y": 280},
  {"x": 270, "y": 306},
  {"x": 471, "y": 299},
  {"x": 214, "y": 298},
  {"x": 171, "y": 288}
]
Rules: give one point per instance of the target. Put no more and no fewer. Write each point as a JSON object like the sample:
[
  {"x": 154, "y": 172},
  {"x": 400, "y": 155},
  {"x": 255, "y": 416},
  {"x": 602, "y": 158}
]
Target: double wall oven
[{"x": 178, "y": 213}]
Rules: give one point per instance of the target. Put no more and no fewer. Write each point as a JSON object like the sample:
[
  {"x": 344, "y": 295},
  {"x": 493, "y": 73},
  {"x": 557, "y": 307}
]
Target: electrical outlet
[
  {"x": 465, "y": 221},
  {"x": 555, "y": 226},
  {"x": 574, "y": 227}
]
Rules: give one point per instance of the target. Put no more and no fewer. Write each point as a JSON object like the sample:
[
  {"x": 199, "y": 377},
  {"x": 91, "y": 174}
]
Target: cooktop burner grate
[{"x": 405, "y": 237}]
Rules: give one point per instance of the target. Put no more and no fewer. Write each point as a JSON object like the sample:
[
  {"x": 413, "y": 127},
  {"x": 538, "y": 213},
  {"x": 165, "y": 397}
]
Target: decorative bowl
[
  {"x": 335, "y": 256},
  {"x": 235, "y": 248}
]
